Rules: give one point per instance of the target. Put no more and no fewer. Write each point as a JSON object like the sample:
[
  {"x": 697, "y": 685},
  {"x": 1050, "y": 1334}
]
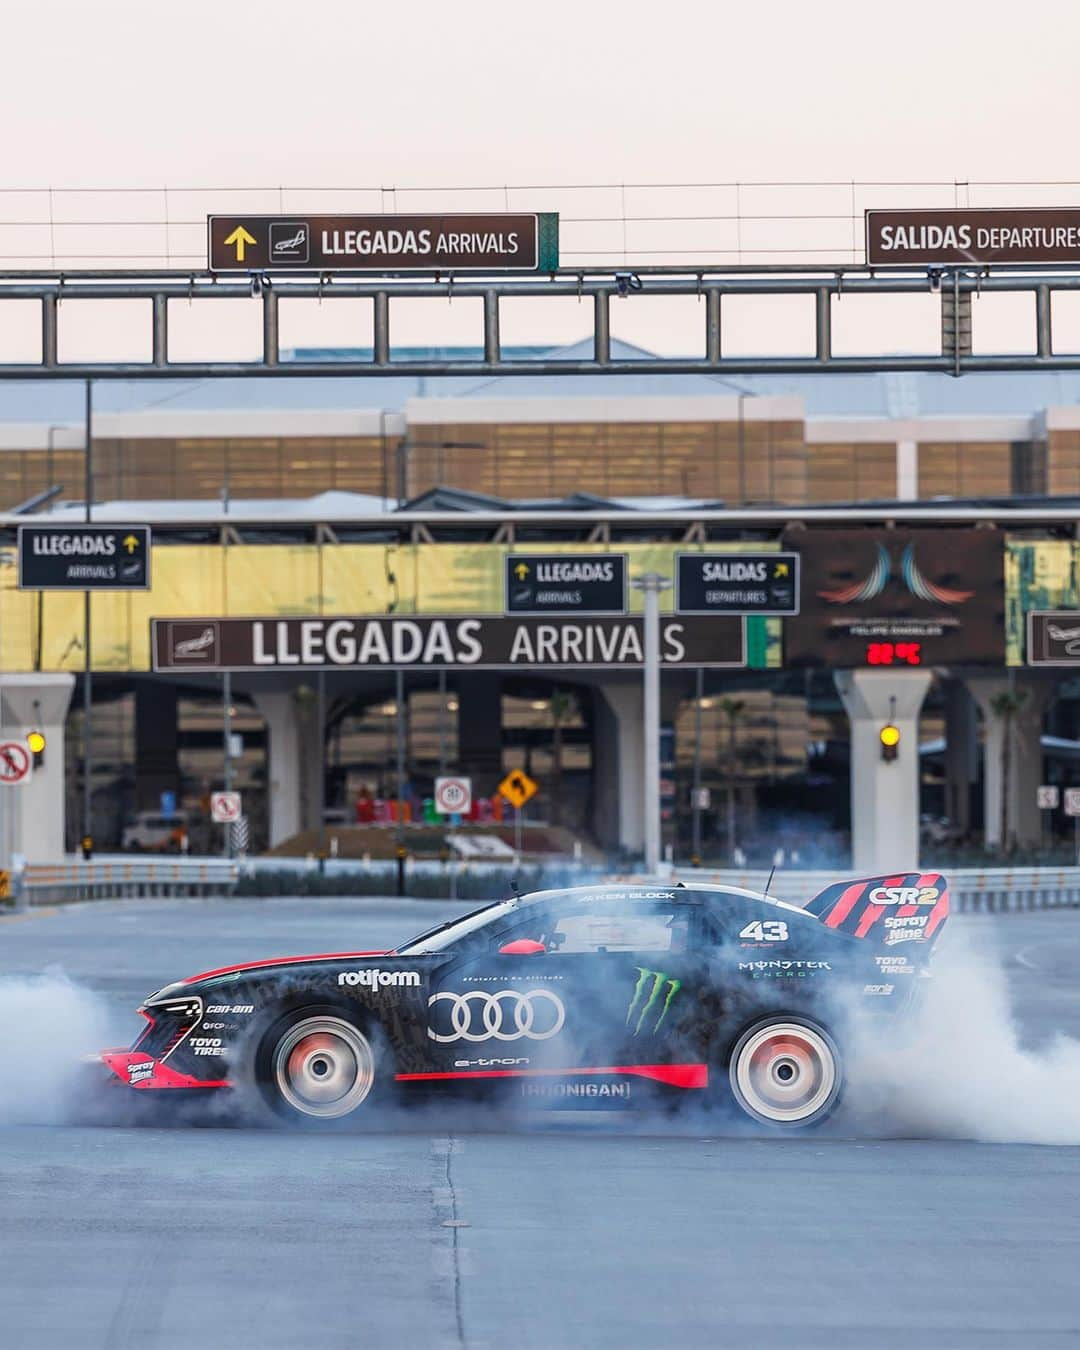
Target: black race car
[{"x": 598, "y": 995}]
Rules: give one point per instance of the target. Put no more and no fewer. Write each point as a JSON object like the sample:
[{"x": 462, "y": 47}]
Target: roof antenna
[{"x": 772, "y": 873}]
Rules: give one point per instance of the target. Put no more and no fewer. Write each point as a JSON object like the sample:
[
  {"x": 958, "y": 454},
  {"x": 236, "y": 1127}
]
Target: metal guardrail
[
  {"x": 42, "y": 883},
  {"x": 971, "y": 890}
]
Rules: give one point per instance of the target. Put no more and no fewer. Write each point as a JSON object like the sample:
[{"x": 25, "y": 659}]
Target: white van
[{"x": 151, "y": 832}]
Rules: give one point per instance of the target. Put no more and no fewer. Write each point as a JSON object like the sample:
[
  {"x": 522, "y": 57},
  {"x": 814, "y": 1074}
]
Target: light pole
[
  {"x": 651, "y": 584},
  {"x": 695, "y": 791}
]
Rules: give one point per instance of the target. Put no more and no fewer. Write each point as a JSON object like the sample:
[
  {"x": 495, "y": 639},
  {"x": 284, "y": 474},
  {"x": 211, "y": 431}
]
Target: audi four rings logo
[{"x": 503, "y": 1016}]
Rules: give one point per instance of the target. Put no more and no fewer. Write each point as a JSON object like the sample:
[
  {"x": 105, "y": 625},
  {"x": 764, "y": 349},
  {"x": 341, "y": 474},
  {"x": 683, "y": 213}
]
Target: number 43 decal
[{"x": 771, "y": 930}]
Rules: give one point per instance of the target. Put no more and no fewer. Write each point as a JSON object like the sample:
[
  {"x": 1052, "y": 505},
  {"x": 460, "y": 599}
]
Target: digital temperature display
[{"x": 894, "y": 653}]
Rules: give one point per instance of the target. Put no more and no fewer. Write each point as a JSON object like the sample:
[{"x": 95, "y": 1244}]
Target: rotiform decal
[
  {"x": 653, "y": 995},
  {"x": 379, "y": 979}
]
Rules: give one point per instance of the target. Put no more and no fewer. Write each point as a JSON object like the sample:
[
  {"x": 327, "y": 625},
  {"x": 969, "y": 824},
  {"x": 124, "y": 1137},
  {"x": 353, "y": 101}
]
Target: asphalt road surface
[{"x": 447, "y": 1231}]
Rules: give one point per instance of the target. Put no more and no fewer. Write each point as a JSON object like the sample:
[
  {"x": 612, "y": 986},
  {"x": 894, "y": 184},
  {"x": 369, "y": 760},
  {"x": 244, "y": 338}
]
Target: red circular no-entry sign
[{"x": 15, "y": 763}]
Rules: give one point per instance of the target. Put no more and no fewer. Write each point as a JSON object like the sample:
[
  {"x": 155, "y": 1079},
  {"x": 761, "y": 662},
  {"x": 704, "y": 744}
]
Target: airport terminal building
[{"x": 345, "y": 543}]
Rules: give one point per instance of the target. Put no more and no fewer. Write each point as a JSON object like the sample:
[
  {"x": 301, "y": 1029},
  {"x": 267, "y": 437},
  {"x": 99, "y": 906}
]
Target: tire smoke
[
  {"x": 49, "y": 1024},
  {"x": 960, "y": 1069}
]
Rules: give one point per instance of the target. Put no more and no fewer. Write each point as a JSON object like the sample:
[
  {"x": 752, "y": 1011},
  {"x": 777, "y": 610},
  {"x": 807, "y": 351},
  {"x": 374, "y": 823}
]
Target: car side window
[{"x": 608, "y": 928}]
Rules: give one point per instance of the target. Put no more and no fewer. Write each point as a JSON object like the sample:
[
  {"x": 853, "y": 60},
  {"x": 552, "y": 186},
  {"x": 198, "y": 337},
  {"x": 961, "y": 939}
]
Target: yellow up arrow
[
  {"x": 130, "y": 543},
  {"x": 241, "y": 239}
]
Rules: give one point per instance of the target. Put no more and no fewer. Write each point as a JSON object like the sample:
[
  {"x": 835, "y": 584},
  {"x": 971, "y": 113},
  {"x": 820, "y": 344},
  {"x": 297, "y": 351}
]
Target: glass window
[{"x": 619, "y": 931}]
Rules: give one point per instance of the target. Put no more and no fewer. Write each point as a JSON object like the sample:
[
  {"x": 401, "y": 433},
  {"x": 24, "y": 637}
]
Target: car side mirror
[{"x": 522, "y": 947}]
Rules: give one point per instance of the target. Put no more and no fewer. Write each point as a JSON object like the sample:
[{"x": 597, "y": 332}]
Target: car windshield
[{"x": 445, "y": 935}]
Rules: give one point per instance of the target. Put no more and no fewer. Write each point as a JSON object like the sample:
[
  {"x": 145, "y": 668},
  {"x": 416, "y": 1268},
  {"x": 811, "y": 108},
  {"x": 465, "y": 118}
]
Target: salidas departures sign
[
  {"x": 509, "y": 241},
  {"x": 465, "y": 642},
  {"x": 994, "y": 235},
  {"x": 737, "y": 583},
  {"x": 84, "y": 557}
]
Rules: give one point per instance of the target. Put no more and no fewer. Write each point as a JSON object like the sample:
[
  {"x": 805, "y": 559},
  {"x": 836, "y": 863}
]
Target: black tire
[
  {"x": 318, "y": 1064},
  {"x": 785, "y": 1070}
]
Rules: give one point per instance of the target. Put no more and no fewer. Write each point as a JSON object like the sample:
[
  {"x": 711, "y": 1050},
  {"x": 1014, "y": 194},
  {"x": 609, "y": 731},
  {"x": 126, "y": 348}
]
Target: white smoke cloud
[
  {"x": 48, "y": 1024},
  {"x": 960, "y": 1070}
]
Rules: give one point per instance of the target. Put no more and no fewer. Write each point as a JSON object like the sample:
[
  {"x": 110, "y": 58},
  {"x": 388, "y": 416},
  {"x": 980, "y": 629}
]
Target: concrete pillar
[
  {"x": 32, "y": 816},
  {"x": 961, "y": 752},
  {"x": 157, "y": 765},
  {"x": 294, "y": 760},
  {"x": 480, "y": 729},
  {"x": 907, "y": 471},
  {"x": 619, "y": 766},
  {"x": 884, "y": 795},
  {"x": 1025, "y": 755}
]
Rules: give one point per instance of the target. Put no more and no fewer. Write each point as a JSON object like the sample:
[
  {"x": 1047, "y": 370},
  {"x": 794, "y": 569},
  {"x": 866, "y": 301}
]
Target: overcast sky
[
  {"x": 354, "y": 91},
  {"x": 344, "y": 92}
]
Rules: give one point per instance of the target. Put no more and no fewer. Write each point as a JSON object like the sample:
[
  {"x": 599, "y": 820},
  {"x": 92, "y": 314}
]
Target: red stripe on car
[
  {"x": 844, "y": 905},
  {"x": 674, "y": 1075},
  {"x": 279, "y": 961}
]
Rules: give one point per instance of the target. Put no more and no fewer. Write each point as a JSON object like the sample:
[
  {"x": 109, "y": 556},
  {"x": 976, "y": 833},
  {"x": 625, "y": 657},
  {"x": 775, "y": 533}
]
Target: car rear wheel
[
  {"x": 786, "y": 1071},
  {"x": 317, "y": 1064}
]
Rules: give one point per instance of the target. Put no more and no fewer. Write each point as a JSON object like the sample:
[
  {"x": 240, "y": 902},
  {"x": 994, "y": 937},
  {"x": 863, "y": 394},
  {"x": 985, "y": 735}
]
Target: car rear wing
[{"x": 908, "y": 909}]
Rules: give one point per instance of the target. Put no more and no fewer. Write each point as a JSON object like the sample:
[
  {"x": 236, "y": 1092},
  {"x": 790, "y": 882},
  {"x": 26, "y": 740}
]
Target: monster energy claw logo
[{"x": 646, "y": 999}]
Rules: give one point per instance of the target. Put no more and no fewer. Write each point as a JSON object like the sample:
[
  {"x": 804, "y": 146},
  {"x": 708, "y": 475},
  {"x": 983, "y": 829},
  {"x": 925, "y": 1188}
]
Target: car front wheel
[
  {"x": 786, "y": 1070},
  {"x": 317, "y": 1064}
]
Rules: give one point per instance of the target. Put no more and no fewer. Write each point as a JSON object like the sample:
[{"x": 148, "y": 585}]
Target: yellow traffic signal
[
  {"x": 889, "y": 736},
  {"x": 35, "y": 742}
]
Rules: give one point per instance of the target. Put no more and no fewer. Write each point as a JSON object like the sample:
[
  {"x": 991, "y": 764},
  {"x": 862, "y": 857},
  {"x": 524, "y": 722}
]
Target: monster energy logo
[{"x": 646, "y": 999}]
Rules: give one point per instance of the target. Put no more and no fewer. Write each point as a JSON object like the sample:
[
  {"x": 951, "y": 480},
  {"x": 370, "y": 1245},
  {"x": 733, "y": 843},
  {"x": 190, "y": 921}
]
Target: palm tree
[
  {"x": 1006, "y": 706},
  {"x": 731, "y": 708}
]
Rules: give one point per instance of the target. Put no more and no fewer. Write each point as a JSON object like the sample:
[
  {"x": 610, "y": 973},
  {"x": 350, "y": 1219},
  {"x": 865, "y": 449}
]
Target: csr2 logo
[
  {"x": 904, "y": 895},
  {"x": 503, "y": 1016}
]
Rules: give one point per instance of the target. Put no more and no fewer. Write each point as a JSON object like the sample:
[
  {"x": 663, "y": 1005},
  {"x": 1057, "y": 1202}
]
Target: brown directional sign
[
  {"x": 459, "y": 641},
  {"x": 518, "y": 242},
  {"x": 1020, "y": 235}
]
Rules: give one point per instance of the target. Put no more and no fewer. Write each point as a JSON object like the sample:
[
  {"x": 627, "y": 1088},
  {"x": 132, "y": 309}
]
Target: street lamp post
[{"x": 651, "y": 584}]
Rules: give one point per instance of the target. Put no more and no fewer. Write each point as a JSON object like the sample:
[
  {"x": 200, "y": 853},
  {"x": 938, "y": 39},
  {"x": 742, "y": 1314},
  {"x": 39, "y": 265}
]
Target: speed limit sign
[{"x": 453, "y": 796}]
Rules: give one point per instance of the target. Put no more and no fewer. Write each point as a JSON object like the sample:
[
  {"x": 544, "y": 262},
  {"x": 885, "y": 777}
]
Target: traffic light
[
  {"x": 889, "y": 736},
  {"x": 35, "y": 743}
]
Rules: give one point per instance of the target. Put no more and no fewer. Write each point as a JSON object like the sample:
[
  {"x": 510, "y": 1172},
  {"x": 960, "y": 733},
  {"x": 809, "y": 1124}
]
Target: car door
[{"x": 579, "y": 985}]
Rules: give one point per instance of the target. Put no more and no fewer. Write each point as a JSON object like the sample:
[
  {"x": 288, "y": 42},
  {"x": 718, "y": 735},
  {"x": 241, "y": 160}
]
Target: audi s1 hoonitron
[{"x": 601, "y": 994}]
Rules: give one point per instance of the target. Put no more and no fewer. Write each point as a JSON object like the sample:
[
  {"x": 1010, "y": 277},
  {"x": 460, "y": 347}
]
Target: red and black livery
[{"x": 596, "y": 995}]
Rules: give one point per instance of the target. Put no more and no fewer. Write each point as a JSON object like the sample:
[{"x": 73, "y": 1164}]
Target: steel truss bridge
[{"x": 710, "y": 285}]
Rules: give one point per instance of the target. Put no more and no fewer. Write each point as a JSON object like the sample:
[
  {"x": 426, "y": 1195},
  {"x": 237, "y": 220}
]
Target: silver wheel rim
[
  {"x": 324, "y": 1066},
  {"x": 784, "y": 1072}
]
